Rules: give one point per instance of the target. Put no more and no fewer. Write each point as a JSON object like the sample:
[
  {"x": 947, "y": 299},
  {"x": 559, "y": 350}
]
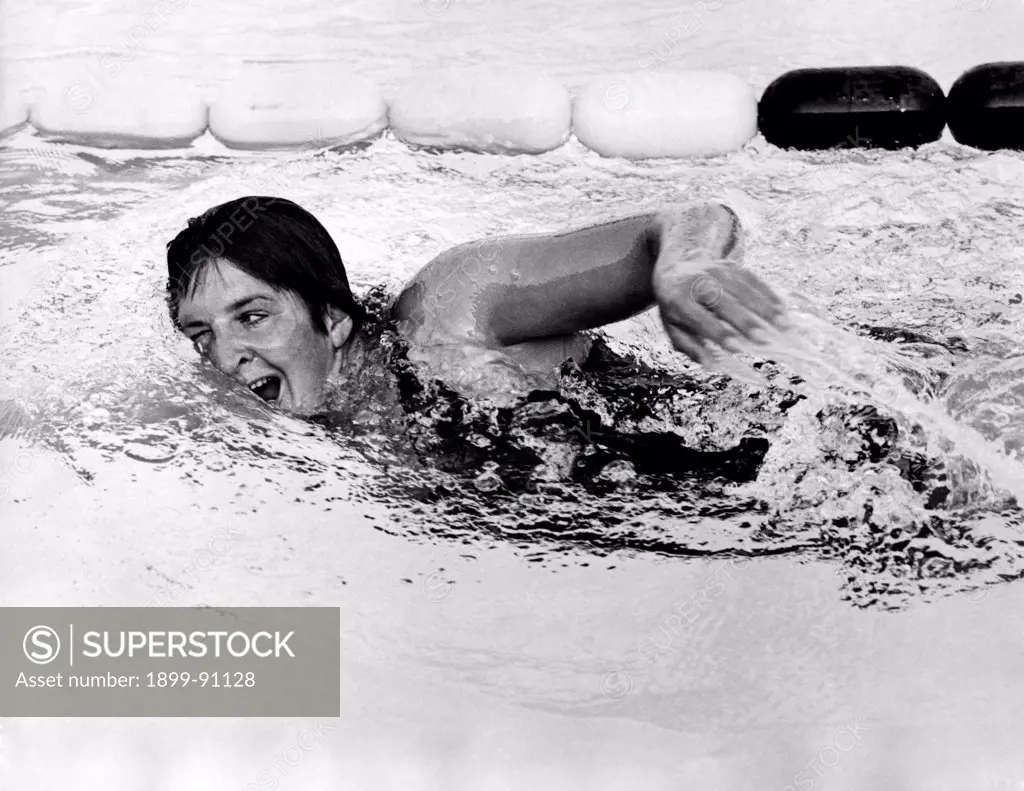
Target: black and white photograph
[{"x": 464, "y": 395}]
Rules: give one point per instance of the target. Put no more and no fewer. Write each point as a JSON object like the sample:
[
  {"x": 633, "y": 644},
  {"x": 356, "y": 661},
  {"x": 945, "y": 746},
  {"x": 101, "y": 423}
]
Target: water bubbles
[
  {"x": 887, "y": 390},
  {"x": 1001, "y": 415},
  {"x": 148, "y": 452},
  {"x": 488, "y": 480},
  {"x": 618, "y": 471}
]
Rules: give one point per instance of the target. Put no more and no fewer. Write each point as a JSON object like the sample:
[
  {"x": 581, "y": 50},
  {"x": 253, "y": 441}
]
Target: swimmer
[{"x": 259, "y": 287}]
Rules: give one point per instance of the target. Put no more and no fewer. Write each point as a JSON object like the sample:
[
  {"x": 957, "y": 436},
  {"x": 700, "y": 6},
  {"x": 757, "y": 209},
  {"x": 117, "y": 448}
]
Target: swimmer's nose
[{"x": 227, "y": 355}]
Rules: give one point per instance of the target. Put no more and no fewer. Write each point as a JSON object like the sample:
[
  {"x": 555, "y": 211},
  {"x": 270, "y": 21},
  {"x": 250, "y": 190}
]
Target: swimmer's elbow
[{"x": 712, "y": 229}]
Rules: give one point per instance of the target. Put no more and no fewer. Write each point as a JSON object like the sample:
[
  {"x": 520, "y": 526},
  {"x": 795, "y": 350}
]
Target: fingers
[
  {"x": 717, "y": 306},
  {"x": 737, "y": 317},
  {"x": 690, "y": 327},
  {"x": 767, "y": 304},
  {"x": 710, "y": 315},
  {"x": 687, "y": 344},
  {"x": 731, "y": 296},
  {"x": 749, "y": 290}
]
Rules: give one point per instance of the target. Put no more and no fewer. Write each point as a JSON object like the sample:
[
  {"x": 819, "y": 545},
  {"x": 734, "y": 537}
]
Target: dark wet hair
[{"x": 271, "y": 239}]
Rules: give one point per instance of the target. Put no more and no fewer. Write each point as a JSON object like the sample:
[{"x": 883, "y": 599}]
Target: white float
[
  {"x": 109, "y": 103},
  {"x": 267, "y": 106},
  {"x": 497, "y": 112},
  {"x": 677, "y": 114}
]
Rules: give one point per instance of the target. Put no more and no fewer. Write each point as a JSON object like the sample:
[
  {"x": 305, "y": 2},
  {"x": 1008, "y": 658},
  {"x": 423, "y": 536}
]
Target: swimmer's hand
[{"x": 703, "y": 294}]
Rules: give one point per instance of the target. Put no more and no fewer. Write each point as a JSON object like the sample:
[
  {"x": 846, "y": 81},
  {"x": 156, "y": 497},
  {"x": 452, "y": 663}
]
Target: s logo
[{"x": 41, "y": 645}]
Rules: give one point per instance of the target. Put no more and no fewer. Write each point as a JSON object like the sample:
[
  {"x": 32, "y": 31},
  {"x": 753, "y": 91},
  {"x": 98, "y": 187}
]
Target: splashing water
[
  {"x": 101, "y": 378},
  {"x": 829, "y": 358}
]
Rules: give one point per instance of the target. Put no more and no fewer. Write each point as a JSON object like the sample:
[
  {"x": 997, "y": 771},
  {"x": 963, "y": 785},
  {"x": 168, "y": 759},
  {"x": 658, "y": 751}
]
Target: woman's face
[{"x": 261, "y": 337}]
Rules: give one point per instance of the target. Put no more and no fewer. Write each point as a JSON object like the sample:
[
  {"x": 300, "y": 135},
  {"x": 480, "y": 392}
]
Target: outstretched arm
[{"x": 512, "y": 289}]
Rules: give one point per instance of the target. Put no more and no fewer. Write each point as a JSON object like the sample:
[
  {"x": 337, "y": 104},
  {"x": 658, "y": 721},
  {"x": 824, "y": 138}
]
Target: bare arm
[{"x": 513, "y": 289}]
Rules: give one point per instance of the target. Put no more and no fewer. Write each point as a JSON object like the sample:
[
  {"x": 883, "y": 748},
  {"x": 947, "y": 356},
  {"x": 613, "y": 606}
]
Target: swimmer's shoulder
[
  {"x": 437, "y": 314},
  {"x": 442, "y": 303},
  {"x": 428, "y": 314}
]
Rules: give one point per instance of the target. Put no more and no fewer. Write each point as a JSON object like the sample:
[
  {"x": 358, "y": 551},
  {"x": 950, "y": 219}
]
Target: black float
[
  {"x": 985, "y": 108},
  {"x": 859, "y": 107}
]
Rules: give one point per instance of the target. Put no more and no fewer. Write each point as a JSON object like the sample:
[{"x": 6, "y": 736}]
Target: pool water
[{"x": 819, "y": 621}]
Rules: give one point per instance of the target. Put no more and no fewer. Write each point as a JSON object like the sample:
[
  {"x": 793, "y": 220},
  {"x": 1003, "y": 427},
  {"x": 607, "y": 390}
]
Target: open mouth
[{"x": 268, "y": 388}]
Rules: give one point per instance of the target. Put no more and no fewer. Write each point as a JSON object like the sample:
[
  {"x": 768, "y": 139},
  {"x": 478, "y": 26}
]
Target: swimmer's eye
[
  {"x": 200, "y": 342},
  {"x": 252, "y": 319}
]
